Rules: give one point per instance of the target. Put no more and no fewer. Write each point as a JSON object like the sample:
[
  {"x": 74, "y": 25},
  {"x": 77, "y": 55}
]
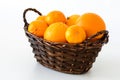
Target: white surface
[{"x": 16, "y": 57}]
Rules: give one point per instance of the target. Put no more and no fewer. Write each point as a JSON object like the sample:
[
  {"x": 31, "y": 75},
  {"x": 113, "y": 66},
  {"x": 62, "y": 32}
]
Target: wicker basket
[{"x": 65, "y": 57}]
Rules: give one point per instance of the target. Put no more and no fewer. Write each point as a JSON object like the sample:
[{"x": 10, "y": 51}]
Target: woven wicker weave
[{"x": 65, "y": 57}]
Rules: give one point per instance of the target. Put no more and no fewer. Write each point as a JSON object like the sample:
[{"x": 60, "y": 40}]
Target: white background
[{"x": 16, "y": 57}]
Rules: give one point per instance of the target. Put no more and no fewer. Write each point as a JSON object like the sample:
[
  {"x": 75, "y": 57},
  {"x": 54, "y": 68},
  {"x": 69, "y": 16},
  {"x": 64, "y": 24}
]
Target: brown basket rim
[{"x": 105, "y": 32}]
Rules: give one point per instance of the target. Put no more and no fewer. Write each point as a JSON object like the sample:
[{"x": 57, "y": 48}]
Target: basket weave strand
[{"x": 64, "y": 57}]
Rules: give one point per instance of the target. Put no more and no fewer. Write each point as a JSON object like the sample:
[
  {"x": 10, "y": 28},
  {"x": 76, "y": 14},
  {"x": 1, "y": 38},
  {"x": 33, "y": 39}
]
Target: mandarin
[
  {"x": 41, "y": 18},
  {"x": 75, "y": 34},
  {"x": 56, "y": 32},
  {"x": 55, "y": 16},
  {"x": 37, "y": 27},
  {"x": 72, "y": 19},
  {"x": 91, "y": 23}
]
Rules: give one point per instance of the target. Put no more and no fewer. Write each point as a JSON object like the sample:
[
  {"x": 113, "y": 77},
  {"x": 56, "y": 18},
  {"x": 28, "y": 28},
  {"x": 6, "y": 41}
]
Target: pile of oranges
[{"x": 73, "y": 29}]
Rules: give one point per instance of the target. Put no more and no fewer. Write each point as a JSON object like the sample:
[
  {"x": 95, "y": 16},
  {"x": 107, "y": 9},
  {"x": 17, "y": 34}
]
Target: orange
[
  {"x": 55, "y": 16},
  {"x": 75, "y": 34},
  {"x": 56, "y": 32},
  {"x": 37, "y": 27},
  {"x": 91, "y": 23},
  {"x": 72, "y": 19},
  {"x": 41, "y": 18}
]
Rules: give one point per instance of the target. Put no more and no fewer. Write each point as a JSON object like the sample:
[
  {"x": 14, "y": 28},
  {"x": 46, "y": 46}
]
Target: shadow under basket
[{"x": 65, "y": 57}]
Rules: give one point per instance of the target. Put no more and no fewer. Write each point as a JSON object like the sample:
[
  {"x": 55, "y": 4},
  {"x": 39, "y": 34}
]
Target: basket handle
[
  {"x": 104, "y": 38},
  {"x": 24, "y": 14}
]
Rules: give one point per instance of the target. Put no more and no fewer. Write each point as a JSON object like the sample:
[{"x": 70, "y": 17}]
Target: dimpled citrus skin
[
  {"x": 41, "y": 18},
  {"x": 56, "y": 32},
  {"x": 72, "y": 19},
  {"x": 55, "y": 16},
  {"x": 37, "y": 27},
  {"x": 75, "y": 34},
  {"x": 91, "y": 23}
]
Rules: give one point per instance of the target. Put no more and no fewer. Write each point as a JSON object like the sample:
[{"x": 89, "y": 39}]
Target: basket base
[{"x": 68, "y": 71}]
